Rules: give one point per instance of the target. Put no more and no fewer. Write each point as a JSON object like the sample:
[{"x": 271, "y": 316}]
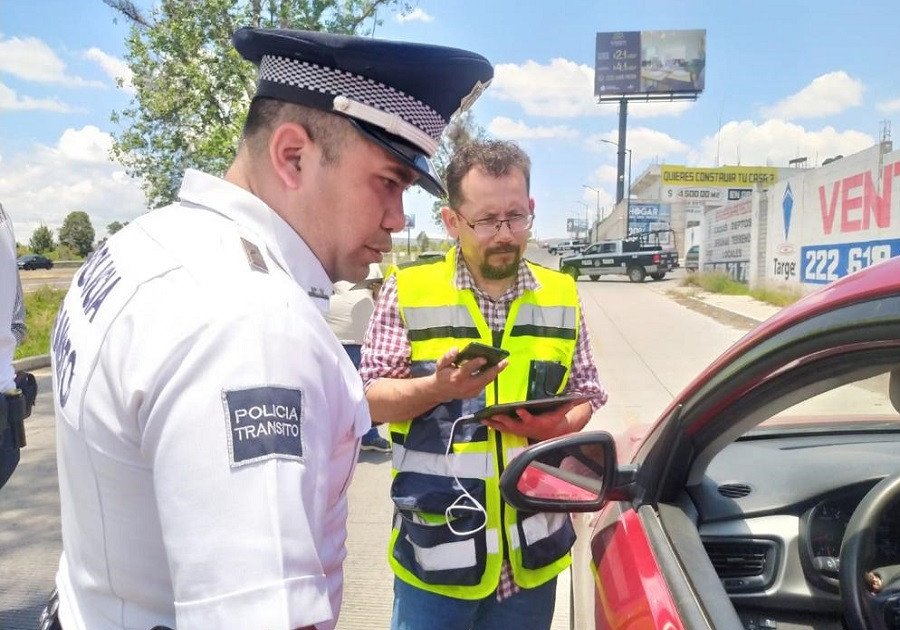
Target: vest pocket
[
  {"x": 426, "y": 546},
  {"x": 544, "y": 537},
  {"x": 436, "y": 555}
]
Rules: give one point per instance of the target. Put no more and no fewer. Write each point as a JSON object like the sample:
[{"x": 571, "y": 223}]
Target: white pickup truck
[{"x": 572, "y": 245}]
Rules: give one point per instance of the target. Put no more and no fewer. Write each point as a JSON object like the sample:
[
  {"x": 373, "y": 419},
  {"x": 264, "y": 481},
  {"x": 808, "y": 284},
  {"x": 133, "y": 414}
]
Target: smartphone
[{"x": 479, "y": 350}]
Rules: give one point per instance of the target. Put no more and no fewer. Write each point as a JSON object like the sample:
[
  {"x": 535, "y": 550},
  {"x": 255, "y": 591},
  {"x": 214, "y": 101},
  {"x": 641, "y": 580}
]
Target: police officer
[
  {"x": 14, "y": 405},
  {"x": 208, "y": 421}
]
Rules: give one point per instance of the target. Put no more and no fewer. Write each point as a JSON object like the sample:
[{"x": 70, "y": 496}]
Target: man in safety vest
[{"x": 459, "y": 552}]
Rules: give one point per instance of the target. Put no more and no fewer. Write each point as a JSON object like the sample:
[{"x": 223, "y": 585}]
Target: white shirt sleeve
[
  {"x": 250, "y": 429},
  {"x": 9, "y": 285}
]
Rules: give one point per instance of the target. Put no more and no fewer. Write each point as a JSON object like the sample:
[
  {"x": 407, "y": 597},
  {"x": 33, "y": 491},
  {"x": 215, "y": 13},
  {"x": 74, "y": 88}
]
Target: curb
[
  {"x": 32, "y": 363},
  {"x": 719, "y": 313}
]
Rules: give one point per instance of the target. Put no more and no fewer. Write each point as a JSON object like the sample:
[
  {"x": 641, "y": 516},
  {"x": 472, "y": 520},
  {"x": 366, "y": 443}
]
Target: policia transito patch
[{"x": 263, "y": 423}]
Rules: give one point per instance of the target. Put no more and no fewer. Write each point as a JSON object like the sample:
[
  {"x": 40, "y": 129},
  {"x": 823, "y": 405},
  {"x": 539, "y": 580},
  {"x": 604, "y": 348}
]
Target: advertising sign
[
  {"x": 736, "y": 177},
  {"x": 835, "y": 220},
  {"x": 644, "y": 217},
  {"x": 410, "y": 221},
  {"x": 650, "y": 62},
  {"x": 576, "y": 225},
  {"x": 727, "y": 242}
]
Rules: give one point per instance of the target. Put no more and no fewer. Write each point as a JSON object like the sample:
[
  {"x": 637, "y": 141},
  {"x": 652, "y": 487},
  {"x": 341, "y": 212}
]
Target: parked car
[
  {"x": 767, "y": 495},
  {"x": 572, "y": 245},
  {"x": 34, "y": 261},
  {"x": 692, "y": 258}
]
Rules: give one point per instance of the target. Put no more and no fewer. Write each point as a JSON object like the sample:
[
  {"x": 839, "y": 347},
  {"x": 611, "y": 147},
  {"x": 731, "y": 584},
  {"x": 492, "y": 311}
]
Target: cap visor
[{"x": 403, "y": 152}]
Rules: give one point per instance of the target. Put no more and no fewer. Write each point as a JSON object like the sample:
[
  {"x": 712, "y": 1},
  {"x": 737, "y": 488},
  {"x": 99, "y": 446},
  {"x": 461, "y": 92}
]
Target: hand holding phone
[{"x": 475, "y": 350}]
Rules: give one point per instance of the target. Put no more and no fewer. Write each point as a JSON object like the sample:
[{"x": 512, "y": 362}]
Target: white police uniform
[
  {"x": 10, "y": 296},
  {"x": 207, "y": 424},
  {"x": 208, "y": 420}
]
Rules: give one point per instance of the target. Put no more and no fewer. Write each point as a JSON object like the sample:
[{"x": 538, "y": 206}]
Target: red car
[{"x": 766, "y": 496}]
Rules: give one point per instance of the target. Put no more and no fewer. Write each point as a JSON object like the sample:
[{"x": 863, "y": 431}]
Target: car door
[
  {"x": 650, "y": 568},
  {"x": 641, "y": 561}
]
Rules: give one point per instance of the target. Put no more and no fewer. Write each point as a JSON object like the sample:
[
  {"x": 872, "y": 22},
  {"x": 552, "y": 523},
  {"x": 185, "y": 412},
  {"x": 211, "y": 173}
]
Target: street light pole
[
  {"x": 628, "y": 203},
  {"x": 599, "y": 218},
  {"x": 587, "y": 221}
]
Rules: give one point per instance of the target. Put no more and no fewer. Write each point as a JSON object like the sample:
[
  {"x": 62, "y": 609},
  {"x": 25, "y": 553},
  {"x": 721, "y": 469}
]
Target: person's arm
[
  {"x": 244, "y": 433},
  {"x": 395, "y": 397}
]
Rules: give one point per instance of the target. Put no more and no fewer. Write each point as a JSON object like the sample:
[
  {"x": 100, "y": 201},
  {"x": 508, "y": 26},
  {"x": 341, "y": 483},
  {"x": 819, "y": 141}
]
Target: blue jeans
[{"x": 529, "y": 609}]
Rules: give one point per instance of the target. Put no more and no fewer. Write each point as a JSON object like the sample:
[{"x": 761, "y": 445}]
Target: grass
[
  {"x": 719, "y": 282},
  {"x": 40, "y": 312}
]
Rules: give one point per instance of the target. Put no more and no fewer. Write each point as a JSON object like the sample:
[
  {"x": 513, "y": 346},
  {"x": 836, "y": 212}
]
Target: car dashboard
[{"x": 771, "y": 512}]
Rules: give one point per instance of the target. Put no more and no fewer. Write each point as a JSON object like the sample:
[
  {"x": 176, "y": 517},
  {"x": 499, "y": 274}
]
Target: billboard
[
  {"x": 410, "y": 222},
  {"x": 644, "y": 217},
  {"x": 650, "y": 62},
  {"x": 727, "y": 243},
  {"x": 834, "y": 220},
  {"x": 576, "y": 225}
]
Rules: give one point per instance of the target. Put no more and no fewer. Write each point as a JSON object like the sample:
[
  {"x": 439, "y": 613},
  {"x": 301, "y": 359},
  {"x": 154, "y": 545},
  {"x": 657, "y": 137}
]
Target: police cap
[{"x": 400, "y": 95}]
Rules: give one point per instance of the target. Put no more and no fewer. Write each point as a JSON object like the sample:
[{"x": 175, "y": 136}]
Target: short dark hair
[
  {"x": 494, "y": 157},
  {"x": 329, "y": 131}
]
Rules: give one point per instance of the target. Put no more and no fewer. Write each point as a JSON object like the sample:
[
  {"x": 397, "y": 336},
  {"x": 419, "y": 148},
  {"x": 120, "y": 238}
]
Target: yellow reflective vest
[{"x": 541, "y": 330}]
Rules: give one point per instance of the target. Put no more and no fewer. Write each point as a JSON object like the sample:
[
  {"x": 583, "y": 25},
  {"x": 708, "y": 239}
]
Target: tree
[
  {"x": 41, "y": 240},
  {"x": 114, "y": 227},
  {"x": 77, "y": 233},
  {"x": 461, "y": 131},
  {"x": 193, "y": 89},
  {"x": 423, "y": 242}
]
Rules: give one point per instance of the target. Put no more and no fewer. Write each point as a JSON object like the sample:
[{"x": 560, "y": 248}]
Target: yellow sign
[{"x": 726, "y": 176}]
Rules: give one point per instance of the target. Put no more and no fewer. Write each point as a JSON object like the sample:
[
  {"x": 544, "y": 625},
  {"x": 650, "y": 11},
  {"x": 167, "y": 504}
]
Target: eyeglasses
[{"x": 486, "y": 228}]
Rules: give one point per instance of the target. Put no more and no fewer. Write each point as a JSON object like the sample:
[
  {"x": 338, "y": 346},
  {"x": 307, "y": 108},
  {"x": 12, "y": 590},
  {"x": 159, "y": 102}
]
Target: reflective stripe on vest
[
  {"x": 469, "y": 465},
  {"x": 537, "y": 528},
  {"x": 545, "y": 321},
  {"x": 458, "y": 554},
  {"x": 430, "y": 322}
]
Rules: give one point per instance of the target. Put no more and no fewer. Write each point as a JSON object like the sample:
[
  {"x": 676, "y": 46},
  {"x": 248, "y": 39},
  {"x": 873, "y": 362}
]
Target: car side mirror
[{"x": 572, "y": 473}]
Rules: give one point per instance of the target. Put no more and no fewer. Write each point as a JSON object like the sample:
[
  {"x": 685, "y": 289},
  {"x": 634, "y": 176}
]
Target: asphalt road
[
  {"x": 647, "y": 346},
  {"x": 34, "y": 279}
]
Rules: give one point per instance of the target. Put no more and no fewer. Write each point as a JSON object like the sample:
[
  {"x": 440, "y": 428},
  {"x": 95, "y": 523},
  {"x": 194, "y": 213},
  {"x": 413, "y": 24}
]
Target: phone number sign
[{"x": 821, "y": 264}]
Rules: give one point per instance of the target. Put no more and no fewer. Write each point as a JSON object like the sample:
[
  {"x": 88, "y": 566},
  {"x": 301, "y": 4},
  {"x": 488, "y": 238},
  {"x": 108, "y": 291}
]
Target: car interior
[{"x": 768, "y": 501}]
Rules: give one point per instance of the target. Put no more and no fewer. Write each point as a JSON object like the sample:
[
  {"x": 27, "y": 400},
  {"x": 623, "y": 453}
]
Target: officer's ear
[
  {"x": 451, "y": 221},
  {"x": 289, "y": 147}
]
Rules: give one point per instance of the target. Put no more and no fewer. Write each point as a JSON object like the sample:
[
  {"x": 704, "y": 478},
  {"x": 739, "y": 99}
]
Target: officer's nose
[{"x": 394, "y": 218}]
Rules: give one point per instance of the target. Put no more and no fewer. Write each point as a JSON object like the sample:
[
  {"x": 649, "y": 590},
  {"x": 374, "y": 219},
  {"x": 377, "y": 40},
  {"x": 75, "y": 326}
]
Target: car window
[{"x": 865, "y": 404}]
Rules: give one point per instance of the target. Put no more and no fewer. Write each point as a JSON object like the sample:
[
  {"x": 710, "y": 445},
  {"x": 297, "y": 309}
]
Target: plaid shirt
[{"x": 386, "y": 352}]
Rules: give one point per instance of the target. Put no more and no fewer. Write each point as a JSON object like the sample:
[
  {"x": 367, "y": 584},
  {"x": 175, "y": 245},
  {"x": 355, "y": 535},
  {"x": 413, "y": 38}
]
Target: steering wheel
[{"x": 869, "y": 605}]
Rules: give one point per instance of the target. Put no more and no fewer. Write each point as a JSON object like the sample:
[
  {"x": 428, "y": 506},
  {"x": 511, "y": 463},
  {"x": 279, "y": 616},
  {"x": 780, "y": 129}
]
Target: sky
[{"x": 784, "y": 79}]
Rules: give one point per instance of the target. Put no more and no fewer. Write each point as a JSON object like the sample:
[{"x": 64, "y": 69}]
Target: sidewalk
[{"x": 741, "y": 309}]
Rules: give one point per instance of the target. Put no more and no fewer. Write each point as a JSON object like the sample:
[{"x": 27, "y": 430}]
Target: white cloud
[
  {"x": 565, "y": 89},
  {"x": 508, "y": 129},
  {"x": 32, "y": 60},
  {"x": 114, "y": 67},
  {"x": 889, "y": 107},
  {"x": 828, "y": 94},
  {"x": 9, "y": 100},
  {"x": 44, "y": 184},
  {"x": 560, "y": 89},
  {"x": 416, "y": 15},
  {"x": 644, "y": 143},
  {"x": 774, "y": 142}
]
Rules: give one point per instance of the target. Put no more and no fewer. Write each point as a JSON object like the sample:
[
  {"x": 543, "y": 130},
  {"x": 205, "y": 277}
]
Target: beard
[{"x": 500, "y": 272}]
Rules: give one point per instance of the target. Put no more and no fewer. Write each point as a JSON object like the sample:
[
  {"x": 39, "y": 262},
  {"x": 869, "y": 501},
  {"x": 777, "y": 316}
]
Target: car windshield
[{"x": 863, "y": 405}]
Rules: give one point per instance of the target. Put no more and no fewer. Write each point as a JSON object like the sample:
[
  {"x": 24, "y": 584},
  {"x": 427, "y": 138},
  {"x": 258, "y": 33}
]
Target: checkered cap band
[{"x": 308, "y": 76}]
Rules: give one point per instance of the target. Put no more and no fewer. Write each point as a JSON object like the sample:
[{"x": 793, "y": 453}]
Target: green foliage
[
  {"x": 720, "y": 282},
  {"x": 77, "y": 233},
  {"x": 778, "y": 297},
  {"x": 114, "y": 227},
  {"x": 461, "y": 131},
  {"x": 40, "y": 312},
  {"x": 21, "y": 249},
  {"x": 422, "y": 241},
  {"x": 41, "y": 240},
  {"x": 63, "y": 252},
  {"x": 193, "y": 89}
]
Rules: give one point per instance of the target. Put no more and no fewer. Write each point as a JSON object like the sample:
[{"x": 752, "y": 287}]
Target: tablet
[{"x": 537, "y": 406}]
